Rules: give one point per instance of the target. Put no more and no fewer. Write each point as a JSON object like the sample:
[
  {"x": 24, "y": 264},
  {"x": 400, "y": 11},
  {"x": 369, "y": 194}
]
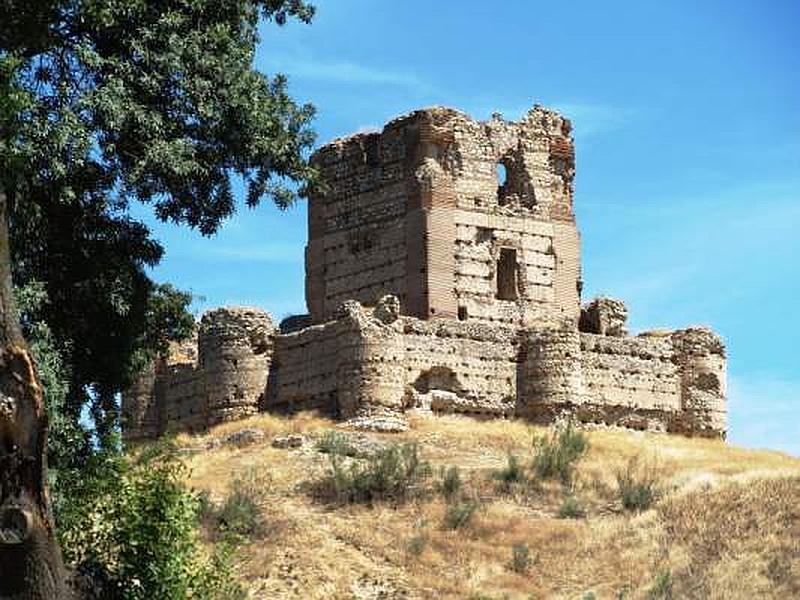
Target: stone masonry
[{"x": 442, "y": 274}]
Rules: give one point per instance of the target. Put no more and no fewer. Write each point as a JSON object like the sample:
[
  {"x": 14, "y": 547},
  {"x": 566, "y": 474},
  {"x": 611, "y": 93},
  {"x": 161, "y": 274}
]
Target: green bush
[
  {"x": 512, "y": 473},
  {"x": 521, "y": 559},
  {"x": 396, "y": 473},
  {"x": 335, "y": 442},
  {"x": 451, "y": 484},
  {"x": 137, "y": 537},
  {"x": 662, "y": 587},
  {"x": 240, "y": 512},
  {"x": 570, "y": 508},
  {"x": 555, "y": 456},
  {"x": 639, "y": 485},
  {"x": 459, "y": 514},
  {"x": 416, "y": 545}
]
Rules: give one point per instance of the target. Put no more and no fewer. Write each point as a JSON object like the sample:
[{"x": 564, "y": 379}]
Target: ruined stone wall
[
  {"x": 529, "y": 213},
  {"x": 370, "y": 361},
  {"x": 183, "y": 399},
  {"x": 700, "y": 357},
  {"x": 140, "y": 408},
  {"x": 551, "y": 375},
  {"x": 474, "y": 363},
  {"x": 304, "y": 370},
  {"x": 629, "y": 381},
  {"x": 433, "y": 282}
]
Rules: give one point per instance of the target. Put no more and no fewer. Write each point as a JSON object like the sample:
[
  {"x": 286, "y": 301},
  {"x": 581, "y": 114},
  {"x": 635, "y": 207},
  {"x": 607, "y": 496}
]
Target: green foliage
[
  {"x": 104, "y": 103},
  {"x": 450, "y": 485},
  {"x": 153, "y": 101},
  {"x": 416, "y": 545},
  {"x": 570, "y": 508},
  {"x": 639, "y": 485},
  {"x": 512, "y": 473},
  {"x": 135, "y": 531},
  {"x": 521, "y": 559},
  {"x": 661, "y": 588},
  {"x": 555, "y": 457},
  {"x": 239, "y": 517},
  {"x": 459, "y": 514},
  {"x": 335, "y": 442},
  {"x": 396, "y": 474}
]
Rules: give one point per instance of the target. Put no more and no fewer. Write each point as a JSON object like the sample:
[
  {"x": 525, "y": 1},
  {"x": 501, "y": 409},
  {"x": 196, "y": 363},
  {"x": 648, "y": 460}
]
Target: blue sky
[{"x": 687, "y": 125}]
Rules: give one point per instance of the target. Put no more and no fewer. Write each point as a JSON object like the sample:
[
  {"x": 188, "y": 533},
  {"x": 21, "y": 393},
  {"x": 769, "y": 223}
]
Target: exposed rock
[{"x": 288, "y": 441}]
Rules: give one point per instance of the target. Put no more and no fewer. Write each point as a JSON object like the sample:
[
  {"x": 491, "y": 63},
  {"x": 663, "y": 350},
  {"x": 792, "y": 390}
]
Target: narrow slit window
[{"x": 507, "y": 274}]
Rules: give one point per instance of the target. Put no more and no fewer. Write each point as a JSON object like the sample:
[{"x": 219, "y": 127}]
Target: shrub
[
  {"x": 555, "y": 457},
  {"x": 451, "y": 483},
  {"x": 520, "y": 558},
  {"x": 416, "y": 545},
  {"x": 395, "y": 473},
  {"x": 570, "y": 508},
  {"x": 459, "y": 514},
  {"x": 638, "y": 485},
  {"x": 137, "y": 538},
  {"x": 335, "y": 442},
  {"x": 662, "y": 586},
  {"x": 512, "y": 473}
]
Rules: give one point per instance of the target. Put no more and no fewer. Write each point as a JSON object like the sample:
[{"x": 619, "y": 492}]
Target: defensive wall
[{"x": 442, "y": 274}]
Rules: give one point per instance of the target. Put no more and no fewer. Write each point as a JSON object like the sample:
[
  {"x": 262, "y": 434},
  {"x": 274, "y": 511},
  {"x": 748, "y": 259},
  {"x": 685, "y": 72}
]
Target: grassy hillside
[{"x": 725, "y": 523}]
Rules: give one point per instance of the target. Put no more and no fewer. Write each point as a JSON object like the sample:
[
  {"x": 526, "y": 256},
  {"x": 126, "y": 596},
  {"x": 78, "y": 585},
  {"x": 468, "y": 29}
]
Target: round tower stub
[{"x": 235, "y": 353}]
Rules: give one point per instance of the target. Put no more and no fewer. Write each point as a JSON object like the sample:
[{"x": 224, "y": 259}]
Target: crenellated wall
[{"x": 442, "y": 273}]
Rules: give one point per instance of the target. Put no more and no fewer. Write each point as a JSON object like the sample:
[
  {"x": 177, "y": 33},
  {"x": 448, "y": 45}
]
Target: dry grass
[{"x": 728, "y": 526}]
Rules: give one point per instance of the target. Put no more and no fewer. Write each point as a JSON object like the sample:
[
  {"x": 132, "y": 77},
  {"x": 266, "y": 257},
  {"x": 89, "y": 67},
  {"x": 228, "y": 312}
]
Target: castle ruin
[{"x": 442, "y": 273}]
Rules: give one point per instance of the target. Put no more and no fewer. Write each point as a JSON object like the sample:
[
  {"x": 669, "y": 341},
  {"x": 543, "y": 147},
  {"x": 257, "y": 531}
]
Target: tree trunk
[{"x": 30, "y": 560}]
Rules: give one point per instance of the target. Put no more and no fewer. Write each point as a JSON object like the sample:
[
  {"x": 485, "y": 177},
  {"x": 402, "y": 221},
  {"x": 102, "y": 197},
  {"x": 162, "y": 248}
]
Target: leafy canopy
[
  {"x": 105, "y": 102},
  {"x": 156, "y": 101}
]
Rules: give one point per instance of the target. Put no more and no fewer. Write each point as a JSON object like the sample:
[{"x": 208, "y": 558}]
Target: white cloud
[{"x": 346, "y": 72}]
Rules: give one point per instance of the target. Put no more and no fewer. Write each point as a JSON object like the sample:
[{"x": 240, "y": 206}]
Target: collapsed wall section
[{"x": 457, "y": 367}]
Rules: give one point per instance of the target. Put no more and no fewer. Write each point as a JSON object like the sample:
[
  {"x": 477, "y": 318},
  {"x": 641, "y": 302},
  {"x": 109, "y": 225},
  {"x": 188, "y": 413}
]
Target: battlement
[{"x": 442, "y": 274}]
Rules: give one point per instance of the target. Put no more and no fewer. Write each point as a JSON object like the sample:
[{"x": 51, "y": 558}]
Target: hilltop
[{"x": 726, "y": 523}]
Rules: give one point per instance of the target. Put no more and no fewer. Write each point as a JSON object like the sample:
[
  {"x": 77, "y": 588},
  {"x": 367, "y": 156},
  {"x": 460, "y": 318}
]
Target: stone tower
[{"x": 457, "y": 218}]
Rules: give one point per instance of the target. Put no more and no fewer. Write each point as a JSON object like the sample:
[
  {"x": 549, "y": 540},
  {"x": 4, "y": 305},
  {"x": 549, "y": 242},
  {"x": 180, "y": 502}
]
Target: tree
[{"x": 105, "y": 102}]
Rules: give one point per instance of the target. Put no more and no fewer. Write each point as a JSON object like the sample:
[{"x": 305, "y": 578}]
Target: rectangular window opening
[{"x": 507, "y": 274}]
